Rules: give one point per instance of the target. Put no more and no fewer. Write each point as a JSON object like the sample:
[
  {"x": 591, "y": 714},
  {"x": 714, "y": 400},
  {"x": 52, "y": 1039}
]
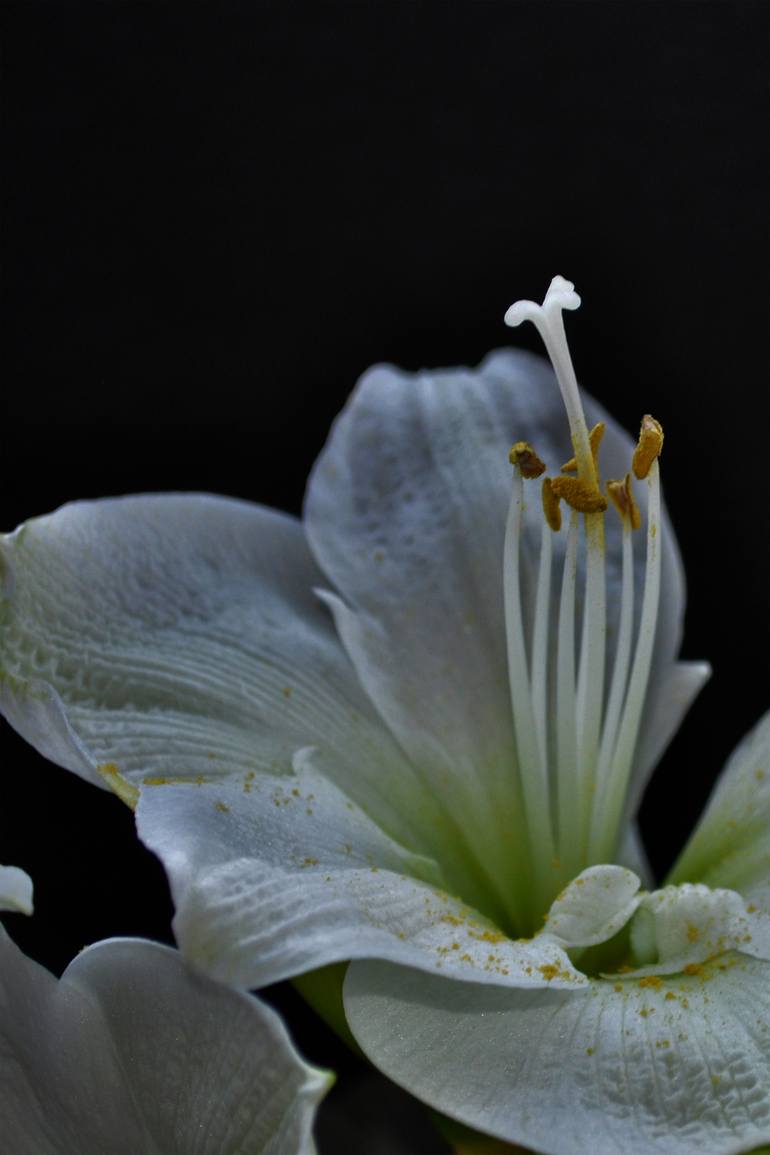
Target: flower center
[{"x": 577, "y": 708}]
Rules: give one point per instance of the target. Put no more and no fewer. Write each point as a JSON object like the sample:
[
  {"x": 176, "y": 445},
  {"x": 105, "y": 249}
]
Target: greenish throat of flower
[{"x": 576, "y": 709}]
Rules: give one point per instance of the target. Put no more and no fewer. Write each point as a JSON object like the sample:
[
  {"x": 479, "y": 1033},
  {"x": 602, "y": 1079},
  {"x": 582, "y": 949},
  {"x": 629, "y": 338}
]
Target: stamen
[
  {"x": 551, "y": 510},
  {"x": 619, "y": 671},
  {"x": 528, "y": 462},
  {"x": 591, "y": 676},
  {"x": 621, "y": 494},
  {"x": 534, "y": 784},
  {"x": 612, "y": 801},
  {"x": 594, "y": 440},
  {"x": 648, "y": 447},
  {"x": 583, "y": 496},
  {"x": 566, "y": 718},
  {"x": 540, "y": 641}
]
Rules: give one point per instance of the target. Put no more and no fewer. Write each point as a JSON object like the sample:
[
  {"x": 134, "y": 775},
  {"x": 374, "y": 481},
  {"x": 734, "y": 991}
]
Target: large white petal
[
  {"x": 730, "y": 846},
  {"x": 406, "y": 512},
  {"x": 636, "y": 1067},
  {"x": 134, "y": 1052},
  {"x": 275, "y": 877},
  {"x": 179, "y": 636}
]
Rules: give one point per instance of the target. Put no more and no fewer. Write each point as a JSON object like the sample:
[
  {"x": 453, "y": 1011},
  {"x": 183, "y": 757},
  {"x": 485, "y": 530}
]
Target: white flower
[
  {"x": 396, "y": 737},
  {"x": 134, "y": 1052}
]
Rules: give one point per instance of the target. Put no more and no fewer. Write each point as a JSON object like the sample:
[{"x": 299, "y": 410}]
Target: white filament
[
  {"x": 612, "y": 802},
  {"x": 566, "y": 714},
  {"x": 534, "y": 784},
  {"x": 619, "y": 671},
  {"x": 540, "y": 645}
]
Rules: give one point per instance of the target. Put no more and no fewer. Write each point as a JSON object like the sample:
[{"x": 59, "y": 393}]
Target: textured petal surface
[
  {"x": 406, "y": 514},
  {"x": 730, "y": 846},
  {"x": 179, "y": 636},
  {"x": 275, "y": 877},
  {"x": 678, "y": 928},
  {"x": 15, "y": 890},
  {"x": 676, "y": 1067},
  {"x": 133, "y": 1052}
]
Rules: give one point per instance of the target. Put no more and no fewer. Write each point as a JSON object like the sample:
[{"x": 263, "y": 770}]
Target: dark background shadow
[{"x": 215, "y": 217}]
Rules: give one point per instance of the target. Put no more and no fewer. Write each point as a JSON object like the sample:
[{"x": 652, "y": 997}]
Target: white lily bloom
[
  {"x": 398, "y": 736},
  {"x": 133, "y": 1051}
]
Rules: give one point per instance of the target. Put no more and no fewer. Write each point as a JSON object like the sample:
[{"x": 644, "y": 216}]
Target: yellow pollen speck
[
  {"x": 648, "y": 446},
  {"x": 581, "y": 495},
  {"x": 622, "y": 496},
  {"x": 526, "y": 460},
  {"x": 692, "y": 969},
  {"x": 653, "y": 981},
  {"x": 286, "y": 691},
  {"x": 222, "y": 807},
  {"x": 670, "y": 996},
  {"x": 124, "y": 789},
  {"x": 551, "y": 509},
  {"x": 550, "y": 971},
  {"x": 212, "y": 755},
  {"x": 493, "y": 936},
  {"x": 759, "y": 775},
  {"x": 618, "y": 987},
  {"x": 693, "y": 932},
  {"x": 594, "y": 440},
  {"x": 309, "y": 862},
  {"x": 590, "y": 1050}
]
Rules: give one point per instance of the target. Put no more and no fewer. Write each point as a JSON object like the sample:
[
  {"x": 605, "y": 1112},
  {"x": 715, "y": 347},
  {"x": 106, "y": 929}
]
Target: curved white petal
[
  {"x": 678, "y": 928},
  {"x": 594, "y": 906},
  {"x": 730, "y": 846},
  {"x": 15, "y": 890},
  {"x": 179, "y": 636},
  {"x": 275, "y": 877},
  {"x": 406, "y": 512},
  {"x": 675, "y": 1067},
  {"x": 133, "y": 1052}
]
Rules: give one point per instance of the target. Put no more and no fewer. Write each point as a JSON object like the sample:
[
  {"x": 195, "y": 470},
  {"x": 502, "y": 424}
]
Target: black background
[{"x": 215, "y": 217}]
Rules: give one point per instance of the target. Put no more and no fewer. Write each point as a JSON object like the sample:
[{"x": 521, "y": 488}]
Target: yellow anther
[
  {"x": 594, "y": 440},
  {"x": 527, "y": 461},
  {"x": 579, "y": 494},
  {"x": 648, "y": 447},
  {"x": 551, "y": 505},
  {"x": 622, "y": 496}
]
